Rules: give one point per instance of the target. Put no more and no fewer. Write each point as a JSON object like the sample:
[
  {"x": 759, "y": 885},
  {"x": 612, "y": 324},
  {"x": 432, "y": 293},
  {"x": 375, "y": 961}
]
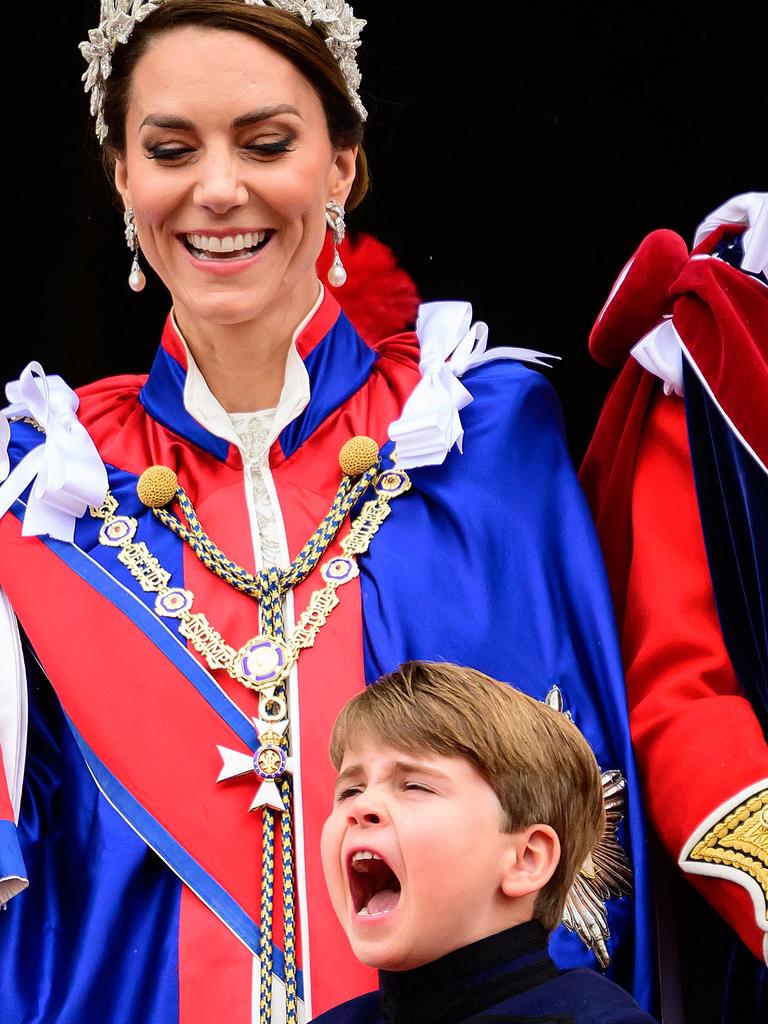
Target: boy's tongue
[{"x": 382, "y": 902}]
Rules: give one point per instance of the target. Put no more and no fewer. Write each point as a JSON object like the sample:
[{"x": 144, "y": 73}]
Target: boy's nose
[
  {"x": 366, "y": 809},
  {"x": 365, "y": 818}
]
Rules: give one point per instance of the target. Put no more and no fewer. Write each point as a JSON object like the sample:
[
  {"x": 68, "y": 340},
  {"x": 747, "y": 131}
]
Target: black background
[{"x": 519, "y": 155}]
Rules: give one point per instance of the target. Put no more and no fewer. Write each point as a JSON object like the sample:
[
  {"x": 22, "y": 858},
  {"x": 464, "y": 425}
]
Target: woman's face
[{"x": 228, "y": 167}]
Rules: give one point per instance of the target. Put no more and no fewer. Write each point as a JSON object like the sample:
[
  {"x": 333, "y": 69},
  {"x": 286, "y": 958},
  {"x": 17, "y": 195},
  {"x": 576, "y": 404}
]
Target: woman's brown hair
[{"x": 302, "y": 45}]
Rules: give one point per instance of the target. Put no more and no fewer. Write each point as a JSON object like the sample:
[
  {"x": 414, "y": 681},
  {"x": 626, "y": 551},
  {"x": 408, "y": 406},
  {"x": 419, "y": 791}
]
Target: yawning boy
[{"x": 463, "y": 811}]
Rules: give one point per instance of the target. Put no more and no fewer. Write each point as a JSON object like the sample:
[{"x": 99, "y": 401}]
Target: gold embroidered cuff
[{"x": 735, "y": 846}]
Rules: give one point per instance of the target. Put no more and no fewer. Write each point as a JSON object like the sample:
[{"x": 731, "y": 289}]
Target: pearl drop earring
[
  {"x": 334, "y": 216},
  {"x": 136, "y": 278}
]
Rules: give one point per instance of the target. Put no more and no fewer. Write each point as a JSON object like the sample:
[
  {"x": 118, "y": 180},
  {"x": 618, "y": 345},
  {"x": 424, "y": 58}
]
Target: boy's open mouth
[{"x": 374, "y": 885}]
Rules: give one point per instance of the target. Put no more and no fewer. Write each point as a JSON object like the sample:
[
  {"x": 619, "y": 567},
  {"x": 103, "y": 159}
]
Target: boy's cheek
[{"x": 330, "y": 854}]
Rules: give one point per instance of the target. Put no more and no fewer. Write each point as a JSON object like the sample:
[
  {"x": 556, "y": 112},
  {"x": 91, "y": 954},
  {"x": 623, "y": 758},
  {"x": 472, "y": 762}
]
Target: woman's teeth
[{"x": 229, "y": 247}]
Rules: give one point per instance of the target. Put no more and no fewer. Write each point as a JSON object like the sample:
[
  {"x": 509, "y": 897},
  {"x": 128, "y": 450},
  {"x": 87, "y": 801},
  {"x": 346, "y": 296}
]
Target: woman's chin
[
  {"x": 224, "y": 306},
  {"x": 226, "y": 301}
]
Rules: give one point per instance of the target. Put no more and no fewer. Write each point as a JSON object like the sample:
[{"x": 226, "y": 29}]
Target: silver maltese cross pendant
[{"x": 270, "y": 763}]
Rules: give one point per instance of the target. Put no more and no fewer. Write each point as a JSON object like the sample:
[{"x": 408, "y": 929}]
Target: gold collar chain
[{"x": 264, "y": 661}]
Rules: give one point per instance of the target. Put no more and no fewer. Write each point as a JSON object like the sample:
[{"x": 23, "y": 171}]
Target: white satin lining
[
  {"x": 660, "y": 352},
  {"x": 13, "y": 703},
  {"x": 750, "y": 208},
  {"x": 13, "y": 725}
]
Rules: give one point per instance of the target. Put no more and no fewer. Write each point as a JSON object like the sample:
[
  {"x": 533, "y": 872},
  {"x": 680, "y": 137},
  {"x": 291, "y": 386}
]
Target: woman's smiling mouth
[
  {"x": 374, "y": 886},
  {"x": 234, "y": 247}
]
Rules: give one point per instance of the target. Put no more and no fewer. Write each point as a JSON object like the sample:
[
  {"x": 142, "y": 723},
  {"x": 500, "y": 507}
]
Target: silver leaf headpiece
[{"x": 120, "y": 17}]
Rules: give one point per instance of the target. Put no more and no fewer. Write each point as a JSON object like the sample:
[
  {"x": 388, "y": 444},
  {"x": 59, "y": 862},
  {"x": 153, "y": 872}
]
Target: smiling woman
[
  {"x": 215, "y": 557},
  {"x": 196, "y": 164},
  {"x": 221, "y": 136}
]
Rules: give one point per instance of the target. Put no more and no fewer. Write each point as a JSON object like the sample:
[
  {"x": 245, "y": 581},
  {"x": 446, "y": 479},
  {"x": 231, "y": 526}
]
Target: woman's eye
[
  {"x": 273, "y": 147},
  {"x": 167, "y": 152},
  {"x": 270, "y": 148}
]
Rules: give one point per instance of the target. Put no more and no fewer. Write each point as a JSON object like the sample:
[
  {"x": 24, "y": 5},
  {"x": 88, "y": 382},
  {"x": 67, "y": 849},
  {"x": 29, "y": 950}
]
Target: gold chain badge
[{"x": 264, "y": 660}]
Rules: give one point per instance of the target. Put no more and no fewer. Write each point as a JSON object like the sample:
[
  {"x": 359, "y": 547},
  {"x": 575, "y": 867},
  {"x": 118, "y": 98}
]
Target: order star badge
[
  {"x": 606, "y": 873},
  {"x": 270, "y": 762}
]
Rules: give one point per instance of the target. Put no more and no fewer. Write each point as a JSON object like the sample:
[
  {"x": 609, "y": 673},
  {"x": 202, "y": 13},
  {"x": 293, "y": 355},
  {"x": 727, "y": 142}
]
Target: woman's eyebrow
[
  {"x": 254, "y": 116},
  {"x": 167, "y": 121},
  {"x": 176, "y": 123}
]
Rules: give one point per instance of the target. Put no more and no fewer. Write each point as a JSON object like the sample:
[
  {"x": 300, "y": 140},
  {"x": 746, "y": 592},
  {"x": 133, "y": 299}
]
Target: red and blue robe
[{"x": 144, "y": 874}]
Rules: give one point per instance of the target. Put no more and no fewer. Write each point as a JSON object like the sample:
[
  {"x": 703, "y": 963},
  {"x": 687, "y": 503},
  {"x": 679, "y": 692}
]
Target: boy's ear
[{"x": 530, "y": 861}]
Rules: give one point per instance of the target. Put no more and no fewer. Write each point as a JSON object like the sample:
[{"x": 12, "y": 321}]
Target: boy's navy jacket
[{"x": 509, "y": 977}]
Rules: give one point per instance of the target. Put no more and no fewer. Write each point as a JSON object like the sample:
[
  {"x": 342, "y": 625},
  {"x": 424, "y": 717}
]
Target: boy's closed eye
[{"x": 348, "y": 791}]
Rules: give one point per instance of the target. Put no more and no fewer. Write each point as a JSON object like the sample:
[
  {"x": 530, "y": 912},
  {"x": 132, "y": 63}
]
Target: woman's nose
[{"x": 220, "y": 186}]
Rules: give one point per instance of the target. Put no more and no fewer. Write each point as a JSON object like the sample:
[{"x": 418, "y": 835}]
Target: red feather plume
[{"x": 379, "y": 297}]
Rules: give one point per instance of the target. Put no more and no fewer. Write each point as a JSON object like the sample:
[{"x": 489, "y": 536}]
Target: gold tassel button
[
  {"x": 357, "y": 455},
  {"x": 157, "y": 486}
]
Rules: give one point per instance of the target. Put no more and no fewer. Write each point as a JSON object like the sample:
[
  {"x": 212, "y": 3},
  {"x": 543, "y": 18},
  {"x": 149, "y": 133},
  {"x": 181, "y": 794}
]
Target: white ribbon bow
[
  {"x": 69, "y": 471},
  {"x": 660, "y": 352},
  {"x": 429, "y": 425}
]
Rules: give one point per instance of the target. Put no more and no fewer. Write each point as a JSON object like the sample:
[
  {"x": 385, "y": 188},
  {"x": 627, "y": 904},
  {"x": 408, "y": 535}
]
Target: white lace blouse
[{"x": 254, "y": 431}]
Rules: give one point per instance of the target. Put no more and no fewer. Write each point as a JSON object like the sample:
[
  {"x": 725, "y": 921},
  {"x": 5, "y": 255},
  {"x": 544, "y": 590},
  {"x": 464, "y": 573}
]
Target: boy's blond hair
[{"x": 535, "y": 760}]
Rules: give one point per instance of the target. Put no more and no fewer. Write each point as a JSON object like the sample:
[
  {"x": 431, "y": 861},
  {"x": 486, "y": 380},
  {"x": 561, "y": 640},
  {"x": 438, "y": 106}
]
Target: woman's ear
[
  {"x": 121, "y": 181},
  {"x": 531, "y": 860},
  {"x": 342, "y": 175}
]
